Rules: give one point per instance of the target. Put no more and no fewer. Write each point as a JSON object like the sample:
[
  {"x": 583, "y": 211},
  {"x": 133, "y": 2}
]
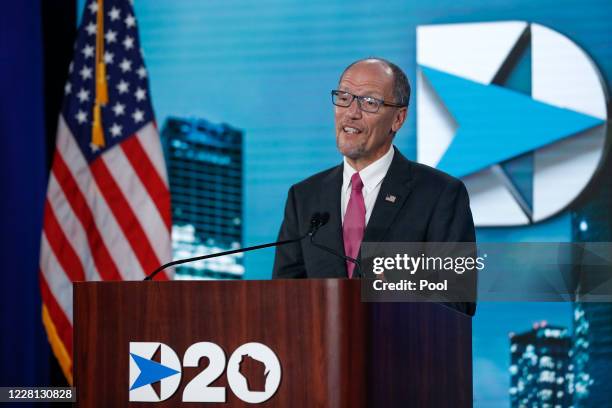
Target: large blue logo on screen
[{"x": 517, "y": 110}]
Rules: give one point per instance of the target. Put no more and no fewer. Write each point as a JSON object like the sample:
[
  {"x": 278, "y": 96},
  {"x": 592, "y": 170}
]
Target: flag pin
[{"x": 390, "y": 198}]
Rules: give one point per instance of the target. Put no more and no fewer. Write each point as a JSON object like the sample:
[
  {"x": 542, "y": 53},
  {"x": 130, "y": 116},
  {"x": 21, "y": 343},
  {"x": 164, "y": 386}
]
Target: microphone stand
[
  {"x": 331, "y": 251},
  {"x": 234, "y": 251},
  {"x": 315, "y": 223}
]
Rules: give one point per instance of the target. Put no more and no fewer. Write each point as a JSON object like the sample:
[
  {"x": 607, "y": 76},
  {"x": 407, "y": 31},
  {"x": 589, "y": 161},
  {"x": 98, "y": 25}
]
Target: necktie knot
[{"x": 356, "y": 183}]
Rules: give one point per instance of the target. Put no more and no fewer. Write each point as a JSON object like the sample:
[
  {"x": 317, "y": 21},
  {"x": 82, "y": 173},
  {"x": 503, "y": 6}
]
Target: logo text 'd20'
[{"x": 249, "y": 357}]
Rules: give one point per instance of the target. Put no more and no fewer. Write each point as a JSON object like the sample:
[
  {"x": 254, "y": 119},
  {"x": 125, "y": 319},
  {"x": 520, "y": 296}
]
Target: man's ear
[{"x": 400, "y": 118}]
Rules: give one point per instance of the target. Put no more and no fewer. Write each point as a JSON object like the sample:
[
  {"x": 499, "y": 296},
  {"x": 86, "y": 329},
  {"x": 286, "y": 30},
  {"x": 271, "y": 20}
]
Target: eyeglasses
[{"x": 365, "y": 103}]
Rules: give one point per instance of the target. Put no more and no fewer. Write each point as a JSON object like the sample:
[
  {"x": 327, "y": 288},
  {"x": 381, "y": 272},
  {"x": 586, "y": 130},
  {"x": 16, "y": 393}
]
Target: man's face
[{"x": 364, "y": 137}]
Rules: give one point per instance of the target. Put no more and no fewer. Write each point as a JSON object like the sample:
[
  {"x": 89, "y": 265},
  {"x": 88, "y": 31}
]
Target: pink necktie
[{"x": 354, "y": 222}]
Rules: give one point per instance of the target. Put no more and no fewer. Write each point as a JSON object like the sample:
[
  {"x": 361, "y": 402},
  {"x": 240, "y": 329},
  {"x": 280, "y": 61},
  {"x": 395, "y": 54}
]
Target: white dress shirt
[{"x": 372, "y": 177}]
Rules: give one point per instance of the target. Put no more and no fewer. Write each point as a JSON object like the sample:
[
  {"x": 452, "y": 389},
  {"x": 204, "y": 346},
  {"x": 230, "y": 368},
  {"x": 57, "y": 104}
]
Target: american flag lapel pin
[{"x": 390, "y": 198}]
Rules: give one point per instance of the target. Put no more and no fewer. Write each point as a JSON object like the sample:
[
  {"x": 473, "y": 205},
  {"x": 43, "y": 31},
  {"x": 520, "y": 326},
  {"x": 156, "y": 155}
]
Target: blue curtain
[{"x": 24, "y": 351}]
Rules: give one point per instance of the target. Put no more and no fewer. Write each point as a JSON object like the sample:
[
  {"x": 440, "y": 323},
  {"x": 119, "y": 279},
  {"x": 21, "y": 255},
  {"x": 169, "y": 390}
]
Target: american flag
[{"x": 107, "y": 210}]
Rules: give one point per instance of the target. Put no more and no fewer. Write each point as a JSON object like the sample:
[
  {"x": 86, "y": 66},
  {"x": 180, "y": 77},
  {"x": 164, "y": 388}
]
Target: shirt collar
[{"x": 372, "y": 175}]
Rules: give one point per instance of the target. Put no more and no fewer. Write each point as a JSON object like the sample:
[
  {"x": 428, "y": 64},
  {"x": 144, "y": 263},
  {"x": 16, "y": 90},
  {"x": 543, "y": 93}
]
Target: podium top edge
[{"x": 214, "y": 281}]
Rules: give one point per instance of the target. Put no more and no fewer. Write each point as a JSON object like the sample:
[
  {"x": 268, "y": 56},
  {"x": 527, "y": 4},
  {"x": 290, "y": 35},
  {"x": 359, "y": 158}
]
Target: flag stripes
[
  {"x": 148, "y": 174},
  {"x": 81, "y": 208},
  {"x": 141, "y": 203},
  {"x": 148, "y": 139},
  {"x": 66, "y": 255},
  {"x": 57, "y": 283},
  {"x": 72, "y": 228},
  {"x": 124, "y": 215}
]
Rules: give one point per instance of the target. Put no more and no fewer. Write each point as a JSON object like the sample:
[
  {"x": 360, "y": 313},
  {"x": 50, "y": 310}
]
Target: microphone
[
  {"x": 322, "y": 220},
  {"x": 315, "y": 224}
]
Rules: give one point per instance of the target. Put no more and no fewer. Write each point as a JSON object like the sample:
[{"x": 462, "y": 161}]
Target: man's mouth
[{"x": 351, "y": 130}]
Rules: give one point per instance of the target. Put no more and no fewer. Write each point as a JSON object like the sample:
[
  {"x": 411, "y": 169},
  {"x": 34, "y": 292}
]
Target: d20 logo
[
  {"x": 516, "y": 110},
  {"x": 253, "y": 372}
]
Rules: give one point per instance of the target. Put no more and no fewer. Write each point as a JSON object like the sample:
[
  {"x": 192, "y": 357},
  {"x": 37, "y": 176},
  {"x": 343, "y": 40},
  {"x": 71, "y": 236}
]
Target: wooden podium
[{"x": 334, "y": 350}]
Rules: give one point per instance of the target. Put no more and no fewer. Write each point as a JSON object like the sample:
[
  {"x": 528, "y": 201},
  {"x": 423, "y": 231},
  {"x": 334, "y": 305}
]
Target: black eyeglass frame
[{"x": 360, "y": 99}]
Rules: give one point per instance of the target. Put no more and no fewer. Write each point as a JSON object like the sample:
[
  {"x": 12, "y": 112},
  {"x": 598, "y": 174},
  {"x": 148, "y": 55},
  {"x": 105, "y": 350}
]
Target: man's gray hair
[{"x": 401, "y": 85}]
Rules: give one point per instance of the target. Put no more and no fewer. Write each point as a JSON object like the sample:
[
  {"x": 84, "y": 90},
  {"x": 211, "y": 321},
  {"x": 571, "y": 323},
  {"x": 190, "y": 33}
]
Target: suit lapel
[
  {"x": 330, "y": 235},
  {"x": 393, "y": 193}
]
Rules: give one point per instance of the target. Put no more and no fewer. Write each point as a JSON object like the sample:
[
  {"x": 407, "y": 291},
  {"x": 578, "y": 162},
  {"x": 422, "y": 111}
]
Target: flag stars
[
  {"x": 116, "y": 130},
  {"x": 88, "y": 51},
  {"x": 85, "y": 73},
  {"x": 138, "y": 116},
  {"x": 81, "y": 117},
  {"x": 142, "y": 72},
  {"x": 118, "y": 109},
  {"x": 110, "y": 36},
  {"x": 90, "y": 28},
  {"x": 123, "y": 87},
  {"x": 128, "y": 43},
  {"x": 67, "y": 88},
  {"x": 94, "y": 147},
  {"x": 93, "y": 6},
  {"x": 71, "y": 67},
  {"x": 140, "y": 94},
  {"x": 108, "y": 57},
  {"x": 83, "y": 95},
  {"x": 126, "y": 65},
  {"x": 130, "y": 21},
  {"x": 114, "y": 14}
]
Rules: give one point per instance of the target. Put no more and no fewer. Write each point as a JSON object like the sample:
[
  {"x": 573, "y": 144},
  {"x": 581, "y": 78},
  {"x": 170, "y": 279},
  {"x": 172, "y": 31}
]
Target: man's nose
[{"x": 353, "y": 110}]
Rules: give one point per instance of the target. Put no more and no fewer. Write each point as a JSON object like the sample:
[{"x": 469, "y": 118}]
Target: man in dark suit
[{"x": 376, "y": 194}]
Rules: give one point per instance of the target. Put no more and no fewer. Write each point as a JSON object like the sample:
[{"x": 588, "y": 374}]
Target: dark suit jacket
[{"x": 430, "y": 206}]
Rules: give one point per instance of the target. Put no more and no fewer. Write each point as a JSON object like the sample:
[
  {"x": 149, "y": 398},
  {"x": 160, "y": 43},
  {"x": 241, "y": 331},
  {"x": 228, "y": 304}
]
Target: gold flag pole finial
[{"x": 97, "y": 133}]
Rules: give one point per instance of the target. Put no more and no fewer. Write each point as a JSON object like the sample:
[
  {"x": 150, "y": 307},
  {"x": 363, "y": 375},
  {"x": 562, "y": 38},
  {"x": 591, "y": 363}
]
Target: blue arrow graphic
[
  {"x": 150, "y": 371},
  {"x": 497, "y": 124}
]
